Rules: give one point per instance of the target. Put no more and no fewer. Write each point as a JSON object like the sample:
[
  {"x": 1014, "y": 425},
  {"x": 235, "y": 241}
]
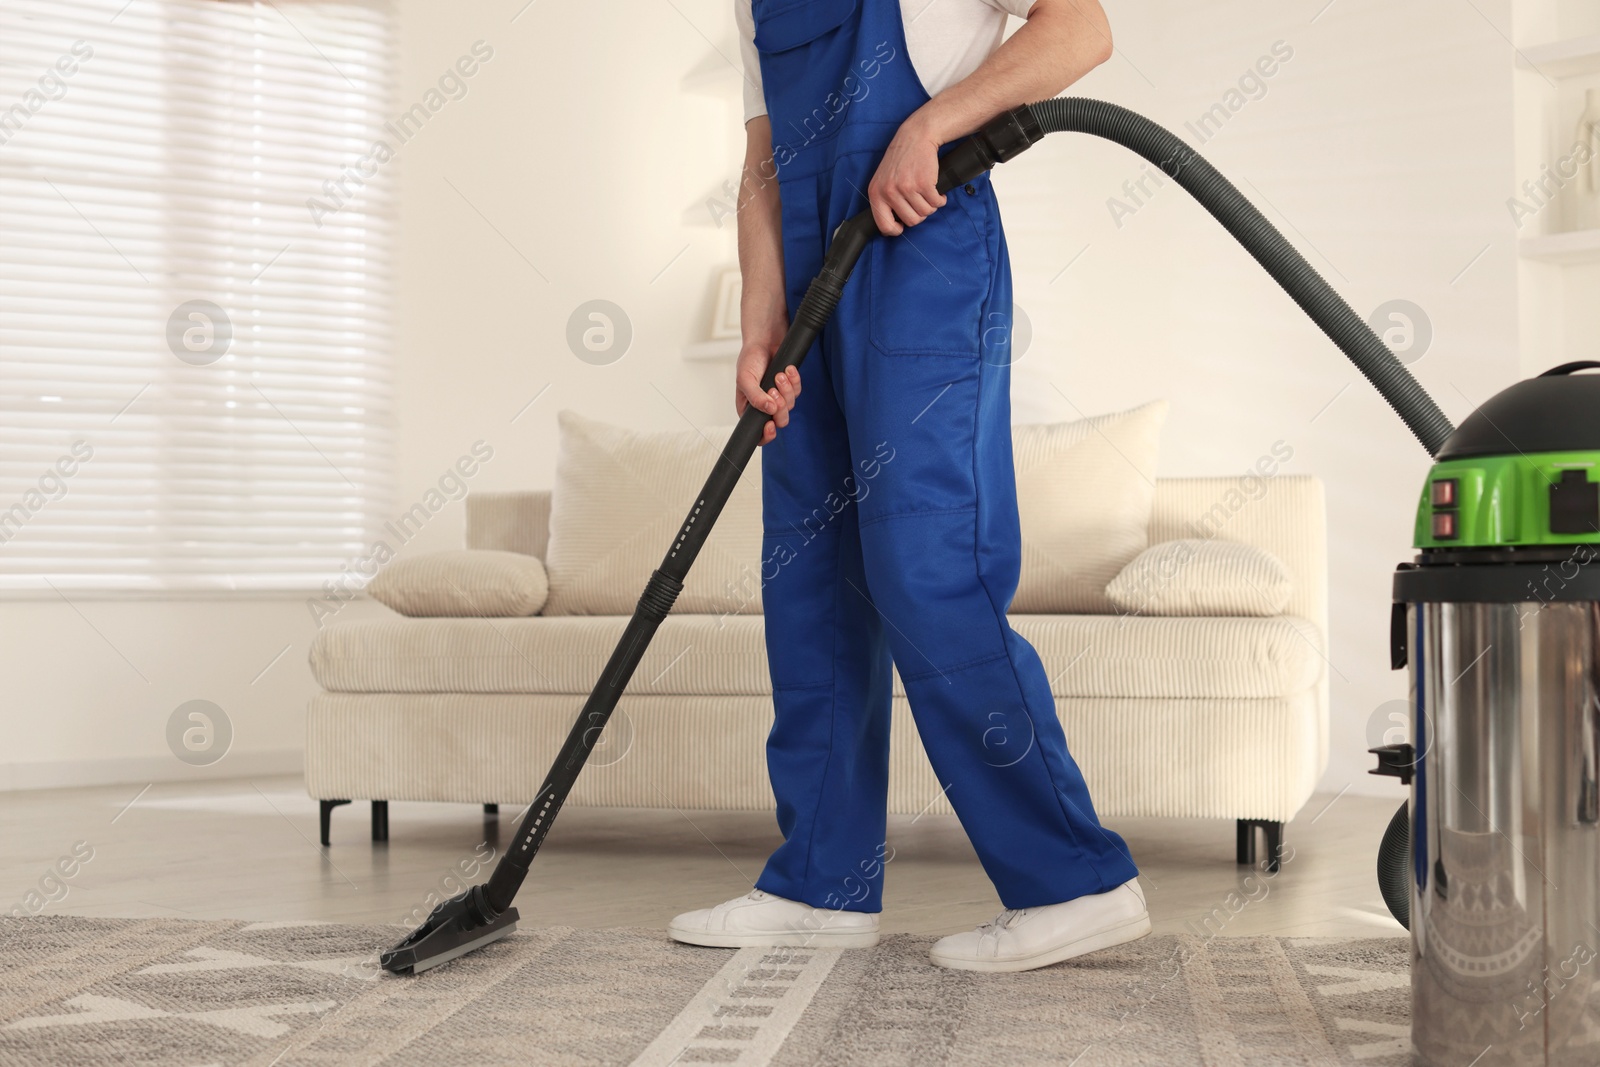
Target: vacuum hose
[
  {"x": 1394, "y": 866},
  {"x": 1011, "y": 133}
]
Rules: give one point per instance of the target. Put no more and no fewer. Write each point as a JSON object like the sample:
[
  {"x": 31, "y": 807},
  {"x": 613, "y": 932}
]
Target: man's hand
[
  {"x": 1061, "y": 41},
  {"x": 905, "y": 187},
  {"x": 778, "y": 401}
]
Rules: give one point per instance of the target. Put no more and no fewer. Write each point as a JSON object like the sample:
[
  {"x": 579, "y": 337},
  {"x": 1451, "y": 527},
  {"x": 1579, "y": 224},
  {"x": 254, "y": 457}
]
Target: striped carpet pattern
[{"x": 170, "y": 991}]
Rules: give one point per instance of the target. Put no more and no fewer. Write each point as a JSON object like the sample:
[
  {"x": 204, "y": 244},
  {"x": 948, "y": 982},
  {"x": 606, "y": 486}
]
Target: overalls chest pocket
[
  {"x": 930, "y": 284},
  {"x": 785, "y": 24},
  {"x": 806, "y": 48}
]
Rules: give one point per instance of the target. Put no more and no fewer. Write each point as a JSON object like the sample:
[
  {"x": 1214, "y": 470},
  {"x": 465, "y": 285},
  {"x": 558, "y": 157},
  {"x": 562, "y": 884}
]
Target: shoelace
[{"x": 1002, "y": 921}]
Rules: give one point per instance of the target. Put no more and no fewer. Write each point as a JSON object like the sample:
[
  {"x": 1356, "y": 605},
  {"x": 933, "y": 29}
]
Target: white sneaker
[
  {"x": 762, "y": 920},
  {"x": 1020, "y": 940}
]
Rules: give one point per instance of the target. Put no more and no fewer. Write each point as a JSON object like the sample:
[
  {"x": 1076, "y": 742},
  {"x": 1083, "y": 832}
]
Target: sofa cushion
[
  {"x": 1085, "y": 655},
  {"x": 1132, "y": 656},
  {"x": 691, "y": 654},
  {"x": 1084, "y": 493},
  {"x": 619, "y": 499},
  {"x": 462, "y": 582},
  {"x": 1196, "y": 577}
]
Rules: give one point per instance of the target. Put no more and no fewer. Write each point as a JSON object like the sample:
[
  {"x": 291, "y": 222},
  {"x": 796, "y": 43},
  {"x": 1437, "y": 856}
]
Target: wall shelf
[
  {"x": 1556, "y": 63},
  {"x": 1563, "y": 59},
  {"x": 1576, "y": 246}
]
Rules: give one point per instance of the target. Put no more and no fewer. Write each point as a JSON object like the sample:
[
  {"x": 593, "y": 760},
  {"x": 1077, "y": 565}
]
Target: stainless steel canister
[{"x": 1505, "y": 808}]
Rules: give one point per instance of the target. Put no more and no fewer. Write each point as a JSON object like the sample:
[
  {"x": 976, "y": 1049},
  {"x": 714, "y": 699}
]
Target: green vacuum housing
[
  {"x": 1548, "y": 498},
  {"x": 1521, "y": 471}
]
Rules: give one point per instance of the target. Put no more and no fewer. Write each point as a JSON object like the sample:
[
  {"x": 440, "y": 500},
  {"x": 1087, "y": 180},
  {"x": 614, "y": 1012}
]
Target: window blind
[{"x": 195, "y": 291}]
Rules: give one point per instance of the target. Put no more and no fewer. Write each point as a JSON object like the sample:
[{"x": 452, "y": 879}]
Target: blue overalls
[{"x": 890, "y": 512}]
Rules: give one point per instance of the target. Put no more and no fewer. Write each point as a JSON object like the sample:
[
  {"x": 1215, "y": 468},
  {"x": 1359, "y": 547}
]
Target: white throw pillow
[
  {"x": 1084, "y": 493},
  {"x": 462, "y": 582},
  {"x": 1203, "y": 578},
  {"x": 619, "y": 499}
]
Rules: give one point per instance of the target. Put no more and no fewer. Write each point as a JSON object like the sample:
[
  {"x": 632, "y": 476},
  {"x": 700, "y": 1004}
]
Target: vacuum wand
[{"x": 484, "y": 913}]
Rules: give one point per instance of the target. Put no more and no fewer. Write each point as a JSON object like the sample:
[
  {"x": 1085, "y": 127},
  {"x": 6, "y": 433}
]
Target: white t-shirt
[{"x": 947, "y": 40}]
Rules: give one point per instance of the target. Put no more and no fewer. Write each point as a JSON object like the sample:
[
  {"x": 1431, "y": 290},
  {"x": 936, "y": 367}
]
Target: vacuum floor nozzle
[{"x": 455, "y": 928}]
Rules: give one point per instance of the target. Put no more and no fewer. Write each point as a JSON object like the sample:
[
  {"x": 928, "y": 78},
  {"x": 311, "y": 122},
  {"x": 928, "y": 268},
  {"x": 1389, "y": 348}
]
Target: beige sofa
[{"x": 1169, "y": 716}]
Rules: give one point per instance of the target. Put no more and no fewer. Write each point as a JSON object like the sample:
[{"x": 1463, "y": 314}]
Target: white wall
[
  {"x": 579, "y": 143},
  {"x": 91, "y": 684},
  {"x": 574, "y": 168}
]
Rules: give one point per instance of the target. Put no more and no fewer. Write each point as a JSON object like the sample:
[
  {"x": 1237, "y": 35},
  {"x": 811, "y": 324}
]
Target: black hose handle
[
  {"x": 1572, "y": 368},
  {"x": 1002, "y": 138},
  {"x": 998, "y": 140}
]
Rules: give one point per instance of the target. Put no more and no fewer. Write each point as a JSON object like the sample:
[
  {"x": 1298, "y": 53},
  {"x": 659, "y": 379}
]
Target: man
[{"x": 888, "y": 496}]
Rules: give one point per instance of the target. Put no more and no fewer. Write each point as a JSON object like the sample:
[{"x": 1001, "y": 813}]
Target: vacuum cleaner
[
  {"x": 1494, "y": 864},
  {"x": 1500, "y": 796},
  {"x": 484, "y": 913}
]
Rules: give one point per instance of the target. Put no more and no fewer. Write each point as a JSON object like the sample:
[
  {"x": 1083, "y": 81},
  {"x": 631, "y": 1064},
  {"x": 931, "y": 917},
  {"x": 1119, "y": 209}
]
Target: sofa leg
[
  {"x": 1245, "y": 841},
  {"x": 327, "y": 817},
  {"x": 380, "y": 820},
  {"x": 1273, "y": 830},
  {"x": 491, "y": 809}
]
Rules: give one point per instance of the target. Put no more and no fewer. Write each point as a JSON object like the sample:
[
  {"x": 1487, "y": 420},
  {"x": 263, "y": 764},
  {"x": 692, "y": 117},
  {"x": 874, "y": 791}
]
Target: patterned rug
[{"x": 169, "y": 991}]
